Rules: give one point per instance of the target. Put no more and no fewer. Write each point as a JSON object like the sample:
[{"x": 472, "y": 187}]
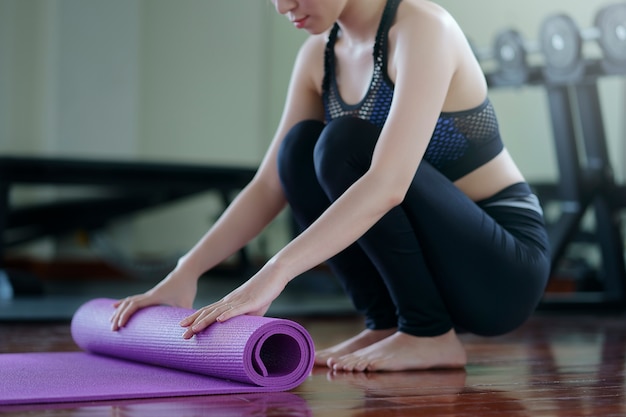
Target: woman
[{"x": 393, "y": 166}]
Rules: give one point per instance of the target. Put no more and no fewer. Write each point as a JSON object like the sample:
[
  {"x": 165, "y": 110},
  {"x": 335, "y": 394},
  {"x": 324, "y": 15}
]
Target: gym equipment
[
  {"x": 560, "y": 45},
  {"x": 509, "y": 53},
  {"x": 612, "y": 38},
  {"x": 589, "y": 202},
  {"x": 586, "y": 182},
  {"x": 119, "y": 188}
]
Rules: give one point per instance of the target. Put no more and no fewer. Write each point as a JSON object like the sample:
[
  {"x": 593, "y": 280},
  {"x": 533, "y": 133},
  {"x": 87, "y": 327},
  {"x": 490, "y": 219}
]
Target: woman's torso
[{"x": 355, "y": 73}]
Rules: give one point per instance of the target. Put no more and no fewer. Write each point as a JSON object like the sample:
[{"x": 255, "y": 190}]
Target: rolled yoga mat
[{"x": 148, "y": 358}]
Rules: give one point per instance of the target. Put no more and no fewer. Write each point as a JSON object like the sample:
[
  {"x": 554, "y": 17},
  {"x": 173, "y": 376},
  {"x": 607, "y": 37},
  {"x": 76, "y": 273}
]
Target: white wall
[
  {"x": 69, "y": 77},
  {"x": 21, "y": 31},
  {"x": 203, "y": 72},
  {"x": 7, "y": 12},
  {"x": 96, "y": 69}
]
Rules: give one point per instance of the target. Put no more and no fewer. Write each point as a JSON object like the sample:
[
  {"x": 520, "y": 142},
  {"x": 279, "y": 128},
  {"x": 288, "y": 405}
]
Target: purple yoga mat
[{"x": 149, "y": 358}]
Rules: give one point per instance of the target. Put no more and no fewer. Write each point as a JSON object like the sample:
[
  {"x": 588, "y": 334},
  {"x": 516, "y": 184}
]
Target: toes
[
  {"x": 337, "y": 365},
  {"x": 348, "y": 363},
  {"x": 361, "y": 366},
  {"x": 330, "y": 362},
  {"x": 373, "y": 366}
]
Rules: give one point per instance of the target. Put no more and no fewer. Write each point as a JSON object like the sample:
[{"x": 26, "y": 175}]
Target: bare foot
[
  {"x": 402, "y": 352},
  {"x": 363, "y": 339}
]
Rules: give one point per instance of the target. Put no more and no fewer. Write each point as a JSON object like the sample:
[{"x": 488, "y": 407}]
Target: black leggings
[{"x": 435, "y": 262}]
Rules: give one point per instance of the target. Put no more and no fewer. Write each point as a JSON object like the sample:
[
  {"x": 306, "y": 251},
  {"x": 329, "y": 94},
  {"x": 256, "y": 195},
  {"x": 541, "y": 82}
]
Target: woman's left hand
[{"x": 253, "y": 297}]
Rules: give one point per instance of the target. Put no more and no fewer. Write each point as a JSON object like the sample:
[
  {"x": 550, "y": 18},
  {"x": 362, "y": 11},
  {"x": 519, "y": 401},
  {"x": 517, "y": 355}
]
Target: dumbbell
[
  {"x": 508, "y": 54},
  {"x": 511, "y": 51},
  {"x": 561, "y": 42},
  {"x": 611, "y": 22}
]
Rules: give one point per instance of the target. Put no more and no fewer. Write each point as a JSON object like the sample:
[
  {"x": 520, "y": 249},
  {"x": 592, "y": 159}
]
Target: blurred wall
[
  {"x": 204, "y": 81},
  {"x": 69, "y": 77}
]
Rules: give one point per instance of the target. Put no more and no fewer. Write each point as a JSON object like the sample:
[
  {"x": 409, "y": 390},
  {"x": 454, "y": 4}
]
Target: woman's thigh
[{"x": 488, "y": 264}]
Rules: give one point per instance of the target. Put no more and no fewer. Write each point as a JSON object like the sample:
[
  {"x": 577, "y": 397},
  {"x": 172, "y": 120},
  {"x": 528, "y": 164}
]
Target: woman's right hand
[{"x": 175, "y": 290}]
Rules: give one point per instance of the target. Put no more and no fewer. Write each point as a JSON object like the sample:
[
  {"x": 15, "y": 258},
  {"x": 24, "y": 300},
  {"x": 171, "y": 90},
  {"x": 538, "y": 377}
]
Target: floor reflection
[
  {"x": 434, "y": 392},
  {"x": 261, "y": 404},
  {"x": 588, "y": 367}
]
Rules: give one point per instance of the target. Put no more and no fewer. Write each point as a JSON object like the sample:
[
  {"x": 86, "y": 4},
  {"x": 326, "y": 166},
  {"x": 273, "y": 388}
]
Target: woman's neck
[{"x": 359, "y": 20}]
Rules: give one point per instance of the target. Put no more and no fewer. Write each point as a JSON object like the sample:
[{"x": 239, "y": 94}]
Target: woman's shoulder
[
  {"x": 423, "y": 9},
  {"x": 314, "y": 43},
  {"x": 310, "y": 60},
  {"x": 423, "y": 17},
  {"x": 423, "y": 26},
  {"x": 312, "y": 49}
]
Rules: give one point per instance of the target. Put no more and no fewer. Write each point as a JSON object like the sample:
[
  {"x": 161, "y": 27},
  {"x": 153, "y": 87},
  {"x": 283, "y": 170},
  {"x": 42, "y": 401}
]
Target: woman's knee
[
  {"x": 296, "y": 149},
  {"x": 344, "y": 150}
]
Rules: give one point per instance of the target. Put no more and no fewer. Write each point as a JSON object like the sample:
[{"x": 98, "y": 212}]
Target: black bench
[{"x": 119, "y": 188}]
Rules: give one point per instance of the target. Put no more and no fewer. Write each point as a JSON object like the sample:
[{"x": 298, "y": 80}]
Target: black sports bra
[{"x": 461, "y": 142}]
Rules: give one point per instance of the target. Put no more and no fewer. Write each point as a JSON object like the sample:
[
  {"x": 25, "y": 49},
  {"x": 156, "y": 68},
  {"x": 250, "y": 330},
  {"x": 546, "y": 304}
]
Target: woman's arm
[
  {"x": 251, "y": 211},
  {"x": 263, "y": 199}
]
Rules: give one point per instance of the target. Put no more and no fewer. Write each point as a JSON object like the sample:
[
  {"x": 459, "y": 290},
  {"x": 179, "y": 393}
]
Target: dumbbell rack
[{"x": 586, "y": 184}]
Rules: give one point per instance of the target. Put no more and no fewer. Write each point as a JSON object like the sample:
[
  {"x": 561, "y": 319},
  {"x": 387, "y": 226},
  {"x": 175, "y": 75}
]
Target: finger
[
  {"x": 124, "y": 312},
  {"x": 202, "y": 322},
  {"x": 119, "y": 307},
  {"x": 116, "y": 320},
  {"x": 187, "y": 321},
  {"x": 203, "y": 318},
  {"x": 189, "y": 333},
  {"x": 124, "y": 315},
  {"x": 192, "y": 318},
  {"x": 231, "y": 312},
  {"x": 116, "y": 304}
]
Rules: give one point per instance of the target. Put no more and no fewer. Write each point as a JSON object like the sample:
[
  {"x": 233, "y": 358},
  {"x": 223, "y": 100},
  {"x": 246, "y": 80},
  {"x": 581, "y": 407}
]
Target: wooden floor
[{"x": 558, "y": 364}]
